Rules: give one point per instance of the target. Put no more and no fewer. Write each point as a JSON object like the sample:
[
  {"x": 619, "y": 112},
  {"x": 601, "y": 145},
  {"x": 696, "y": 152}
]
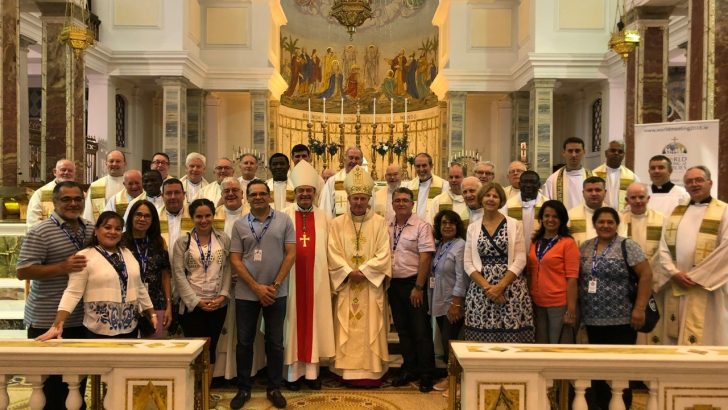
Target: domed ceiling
[{"x": 391, "y": 56}]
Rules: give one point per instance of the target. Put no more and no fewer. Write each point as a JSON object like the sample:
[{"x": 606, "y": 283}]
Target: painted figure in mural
[
  {"x": 327, "y": 68},
  {"x": 371, "y": 67},
  {"x": 315, "y": 79},
  {"x": 399, "y": 65},
  {"x": 305, "y": 71},
  {"x": 410, "y": 77},
  {"x": 296, "y": 65},
  {"x": 422, "y": 78},
  {"x": 334, "y": 82},
  {"x": 349, "y": 60},
  {"x": 353, "y": 85},
  {"x": 388, "y": 85}
]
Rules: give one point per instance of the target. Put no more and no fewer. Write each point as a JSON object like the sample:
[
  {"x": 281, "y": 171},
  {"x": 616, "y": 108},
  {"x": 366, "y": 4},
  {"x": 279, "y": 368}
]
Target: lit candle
[
  {"x": 374, "y": 112},
  {"x": 309, "y": 110},
  {"x": 391, "y": 110},
  {"x": 324, "y": 110},
  {"x": 341, "y": 116},
  {"x": 405, "y": 111}
]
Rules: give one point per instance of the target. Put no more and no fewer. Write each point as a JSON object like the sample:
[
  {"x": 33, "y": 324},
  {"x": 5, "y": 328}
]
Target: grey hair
[
  {"x": 702, "y": 168},
  {"x": 195, "y": 155}
]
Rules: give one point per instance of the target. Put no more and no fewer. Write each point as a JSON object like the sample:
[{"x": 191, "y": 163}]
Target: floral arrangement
[
  {"x": 382, "y": 148},
  {"x": 411, "y": 159},
  {"x": 316, "y": 146},
  {"x": 400, "y": 146},
  {"x": 332, "y": 148}
]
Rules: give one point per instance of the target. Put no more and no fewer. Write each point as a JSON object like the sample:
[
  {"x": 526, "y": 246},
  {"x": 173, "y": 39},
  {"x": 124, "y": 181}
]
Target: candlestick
[
  {"x": 324, "y": 110},
  {"x": 374, "y": 111},
  {"x": 309, "y": 110},
  {"x": 405, "y": 111},
  {"x": 391, "y": 110},
  {"x": 341, "y": 116}
]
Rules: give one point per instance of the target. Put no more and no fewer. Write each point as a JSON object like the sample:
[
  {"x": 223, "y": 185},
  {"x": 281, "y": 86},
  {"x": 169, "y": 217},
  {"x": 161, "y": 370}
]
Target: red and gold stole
[{"x": 305, "y": 257}]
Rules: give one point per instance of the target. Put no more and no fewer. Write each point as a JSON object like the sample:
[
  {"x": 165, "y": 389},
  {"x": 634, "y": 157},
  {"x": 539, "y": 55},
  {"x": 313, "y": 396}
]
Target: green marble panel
[{"x": 9, "y": 250}]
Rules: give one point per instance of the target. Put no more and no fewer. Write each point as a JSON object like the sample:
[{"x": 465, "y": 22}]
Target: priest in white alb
[
  {"x": 565, "y": 185},
  {"x": 309, "y": 327},
  {"x": 694, "y": 256},
  {"x": 360, "y": 266}
]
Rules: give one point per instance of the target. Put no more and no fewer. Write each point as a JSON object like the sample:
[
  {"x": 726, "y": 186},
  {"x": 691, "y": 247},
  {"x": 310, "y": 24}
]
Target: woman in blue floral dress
[{"x": 498, "y": 307}]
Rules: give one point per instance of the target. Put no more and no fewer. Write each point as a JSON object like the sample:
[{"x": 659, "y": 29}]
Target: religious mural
[{"x": 385, "y": 62}]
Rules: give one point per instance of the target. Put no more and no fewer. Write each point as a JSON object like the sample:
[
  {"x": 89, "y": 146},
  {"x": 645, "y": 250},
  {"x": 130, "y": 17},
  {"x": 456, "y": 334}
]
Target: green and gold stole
[{"x": 626, "y": 177}]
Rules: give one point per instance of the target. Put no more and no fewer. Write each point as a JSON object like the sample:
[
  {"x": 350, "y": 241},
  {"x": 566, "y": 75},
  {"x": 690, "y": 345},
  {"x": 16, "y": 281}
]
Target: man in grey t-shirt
[
  {"x": 262, "y": 252},
  {"x": 47, "y": 256}
]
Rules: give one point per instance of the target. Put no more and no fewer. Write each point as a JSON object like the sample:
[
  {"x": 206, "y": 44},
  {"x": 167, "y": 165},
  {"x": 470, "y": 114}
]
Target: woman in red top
[{"x": 553, "y": 268}]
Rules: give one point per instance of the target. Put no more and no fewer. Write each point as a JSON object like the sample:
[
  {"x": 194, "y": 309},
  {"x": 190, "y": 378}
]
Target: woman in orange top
[{"x": 553, "y": 268}]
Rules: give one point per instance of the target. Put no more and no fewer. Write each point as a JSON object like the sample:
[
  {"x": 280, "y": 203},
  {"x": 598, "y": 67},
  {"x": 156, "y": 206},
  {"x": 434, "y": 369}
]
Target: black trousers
[
  {"x": 609, "y": 335},
  {"x": 200, "y": 323},
  {"x": 54, "y": 388},
  {"x": 414, "y": 327},
  {"x": 448, "y": 331}
]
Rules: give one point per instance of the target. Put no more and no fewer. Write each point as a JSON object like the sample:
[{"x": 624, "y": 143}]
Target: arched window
[
  {"x": 120, "y": 121},
  {"x": 596, "y": 116}
]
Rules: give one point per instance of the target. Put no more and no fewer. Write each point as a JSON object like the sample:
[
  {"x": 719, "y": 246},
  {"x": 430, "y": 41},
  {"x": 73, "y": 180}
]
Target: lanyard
[
  {"x": 143, "y": 257},
  {"x": 118, "y": 263},
  {"x": 441, "y": 251},
  {"x": 268, "y": 220},
  {"x": 205, "y": 260},
  {"x": 541, "y": 250},
  {"x": 76, "y": 240},
  {"x": 597, "y": 259},
  {"x": 397, "y": 235}
]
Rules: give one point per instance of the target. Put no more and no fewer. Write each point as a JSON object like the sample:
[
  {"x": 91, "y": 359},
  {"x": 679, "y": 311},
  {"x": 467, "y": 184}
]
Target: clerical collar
[
  {"x": 189, "y": 181},
  {"x": 664, "y": 189},
  {"x": 236, "y": 211},
  {"x": 422, "y": 181},
  {"x": 529, "y": 203},
  {"x": 705, "y": 200},
  {"x": 278, "y": 182},
  {"x": 613, "y": 169},
  {"x": 309, "y": 209},
  {"x": 173, "y": 214}
]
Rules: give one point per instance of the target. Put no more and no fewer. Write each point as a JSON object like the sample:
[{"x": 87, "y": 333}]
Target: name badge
[
  {"x": 592, "y": 286},
  {"x": 432, "y": 282},
  {"x": 258, "y": 255}
]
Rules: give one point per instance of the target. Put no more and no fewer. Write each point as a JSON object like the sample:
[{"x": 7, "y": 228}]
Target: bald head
[
  {"x": 393, "y": 175},
  {"x": 65, "y": 170},
  {"x": 133, "y": 182},
  {"x": 115, "y": 163},
  {"x": 328, "y": 173},
  {"x": 637, "y": 198},
  {"x": 470, "y": 187}
]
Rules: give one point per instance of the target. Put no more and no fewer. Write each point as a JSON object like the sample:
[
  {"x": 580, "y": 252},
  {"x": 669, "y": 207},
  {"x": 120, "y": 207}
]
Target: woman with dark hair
[
  {"x": 448, "y": 282},
  {"x": 201, "y": 271},
  {"x": 553, "y": 268},
  {"x": 610, "y": 315},
  {"x": 144, "y": 238},
  {"x": 110, "y": 285},
  {"x": 498, "y": 308}
]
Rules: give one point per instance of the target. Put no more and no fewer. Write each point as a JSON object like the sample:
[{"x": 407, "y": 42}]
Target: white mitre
[
  {"x": 305, "y": 174},
  {"x": 358, "y": 181}
]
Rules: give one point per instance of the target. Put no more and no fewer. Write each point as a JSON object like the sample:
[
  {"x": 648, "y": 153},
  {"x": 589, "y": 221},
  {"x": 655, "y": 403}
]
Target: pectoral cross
[
  {"x": 305, "y": 238},
  {"x": 357, "y": 259}
]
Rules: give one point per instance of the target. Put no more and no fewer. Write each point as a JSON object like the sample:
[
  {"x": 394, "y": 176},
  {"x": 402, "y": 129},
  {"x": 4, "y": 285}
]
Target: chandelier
[
  {"x": 622, "y": 41},
  {"x": 75, "y": 31},
  {"x": 351, "y": 14}
]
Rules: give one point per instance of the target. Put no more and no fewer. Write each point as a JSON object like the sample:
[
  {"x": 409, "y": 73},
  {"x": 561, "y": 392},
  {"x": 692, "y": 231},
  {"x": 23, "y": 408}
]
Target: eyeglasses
[
  {"x": 401, "y": 201},
  {"x": 484, "y": 173},
  {"x": 231, "y": 191},
  {"x": 516, "y": 171},
  {"x": 160, "y": 162},
  {"x": 223, "y": 168},
  {"x": 140, "y": 215},
  {"x": 69, "y": 199}
]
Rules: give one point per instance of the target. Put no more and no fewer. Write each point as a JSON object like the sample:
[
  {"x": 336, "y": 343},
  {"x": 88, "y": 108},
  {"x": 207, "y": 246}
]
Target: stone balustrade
[
  {"x": 519, "y": 376},
  {"x": 136, "y": 372}
]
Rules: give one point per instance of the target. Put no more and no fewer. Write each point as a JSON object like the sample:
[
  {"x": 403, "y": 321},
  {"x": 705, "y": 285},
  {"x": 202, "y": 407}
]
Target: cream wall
[
  {"x": 230, "y": 128},
  {"x": 488, "y": 118},
  {"x": 142, "y": 25},
  {"x": 573, "y": 26}
]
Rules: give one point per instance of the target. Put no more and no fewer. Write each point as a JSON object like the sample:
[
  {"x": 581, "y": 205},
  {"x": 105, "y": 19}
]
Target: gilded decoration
[
  {"x": 502, "y": 396},
  {"x": 145, "y": 394}
]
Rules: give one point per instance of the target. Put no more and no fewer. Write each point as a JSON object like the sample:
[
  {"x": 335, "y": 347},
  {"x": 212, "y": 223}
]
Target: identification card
[
  {"x": 432, "y": 282},
  {"x": 258, "y": 255},
  {"x": 592, "y": 286}
]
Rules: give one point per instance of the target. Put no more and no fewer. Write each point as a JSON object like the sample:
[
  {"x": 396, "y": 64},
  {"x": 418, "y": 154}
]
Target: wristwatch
[
  {"x": 419, "y": 287},
  {"x": 276, "y": 285}
]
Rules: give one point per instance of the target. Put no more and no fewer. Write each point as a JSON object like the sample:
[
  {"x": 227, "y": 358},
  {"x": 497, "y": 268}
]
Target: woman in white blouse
[
  {"x": 110, "y": 285},
  {"x": 498, "y": 307},
  {"x": 201, "y": 274}
]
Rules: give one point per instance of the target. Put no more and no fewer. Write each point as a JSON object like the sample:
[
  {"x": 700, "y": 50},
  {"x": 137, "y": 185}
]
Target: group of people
[{"x": 326, "y": 259}]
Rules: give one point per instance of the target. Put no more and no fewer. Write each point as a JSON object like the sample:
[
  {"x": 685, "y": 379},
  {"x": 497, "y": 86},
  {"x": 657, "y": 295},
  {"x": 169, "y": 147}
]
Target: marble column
[
  {"x": 262, "y": 141},
  {"x": 455, "y": 122},
  {"x": 9, "y": 68},
  {"x": 541, "y": 127},
  {"x": 23, "y": 117},
  {"x": 196, "y": 125},
  {"x": 697, "y": 86},
  {"x": 719, "y": 92},
  {"x": 646, "y": 72},
  {"x": 63, "y": 82},
  {"x": 174, "y": 122},
  {"x": 520, "y": 128},
  {"x": 102, "y": 116},
  {"x": 213, "y": 135}
]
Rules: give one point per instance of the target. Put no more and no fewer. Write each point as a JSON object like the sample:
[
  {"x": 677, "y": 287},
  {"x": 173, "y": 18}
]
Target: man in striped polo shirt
[{"x": 47, "y": 256}]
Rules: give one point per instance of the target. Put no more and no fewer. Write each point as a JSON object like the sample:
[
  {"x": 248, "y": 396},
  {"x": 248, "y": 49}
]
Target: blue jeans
[{"x": 246, "y": 317}]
